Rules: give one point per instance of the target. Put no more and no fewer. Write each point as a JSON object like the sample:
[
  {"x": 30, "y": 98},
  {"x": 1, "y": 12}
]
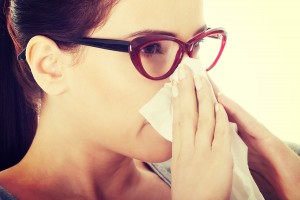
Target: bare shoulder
[
  {"x": 5, "y": 177},
  {"x": 10, "y": 181},
  {"x": 6, "y": 183}
]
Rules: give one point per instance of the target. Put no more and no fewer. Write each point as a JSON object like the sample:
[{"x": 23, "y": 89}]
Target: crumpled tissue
[{"x": 158, "y": 112}]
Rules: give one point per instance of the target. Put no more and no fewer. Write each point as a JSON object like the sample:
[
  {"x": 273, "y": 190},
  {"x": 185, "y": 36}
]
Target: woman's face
[{"x": 106, "y": 91}]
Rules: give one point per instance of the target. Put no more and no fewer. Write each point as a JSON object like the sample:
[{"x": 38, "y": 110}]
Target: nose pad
[{"x": 189, "y": 48}]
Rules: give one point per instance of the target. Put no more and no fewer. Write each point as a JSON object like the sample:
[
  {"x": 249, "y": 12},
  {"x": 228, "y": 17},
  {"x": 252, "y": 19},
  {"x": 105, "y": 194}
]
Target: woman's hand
[
  {"x": 202, "y": 164},
  {"x": 275, "y": 168}
]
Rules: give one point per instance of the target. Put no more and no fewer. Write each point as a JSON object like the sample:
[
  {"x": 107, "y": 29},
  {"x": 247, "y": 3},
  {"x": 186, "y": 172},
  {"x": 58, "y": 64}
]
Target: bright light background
[{"x": 260, "y": 68}]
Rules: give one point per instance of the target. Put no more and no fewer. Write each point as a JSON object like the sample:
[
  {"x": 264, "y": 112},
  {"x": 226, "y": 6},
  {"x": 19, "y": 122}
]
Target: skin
[
  {"x": 201, "y": 141},
  {"x": 91, "y": 138},
  {"x": 89, "y": 121}
]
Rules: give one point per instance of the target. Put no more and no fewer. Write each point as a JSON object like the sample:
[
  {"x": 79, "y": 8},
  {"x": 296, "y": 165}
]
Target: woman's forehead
[{"x": 176, "y": 16}]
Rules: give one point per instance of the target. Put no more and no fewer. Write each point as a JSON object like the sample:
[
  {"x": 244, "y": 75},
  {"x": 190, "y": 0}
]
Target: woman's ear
[{"x": 44, "y": 59}]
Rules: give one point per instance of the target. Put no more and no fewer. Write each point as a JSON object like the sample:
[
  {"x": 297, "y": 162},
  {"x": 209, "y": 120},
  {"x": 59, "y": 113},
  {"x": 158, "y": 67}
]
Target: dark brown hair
[{"x": 20, "y": 21}]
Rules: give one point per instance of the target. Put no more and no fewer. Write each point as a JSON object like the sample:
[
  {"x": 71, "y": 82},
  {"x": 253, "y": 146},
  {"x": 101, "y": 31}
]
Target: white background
[{"x": 260, "y": 68}]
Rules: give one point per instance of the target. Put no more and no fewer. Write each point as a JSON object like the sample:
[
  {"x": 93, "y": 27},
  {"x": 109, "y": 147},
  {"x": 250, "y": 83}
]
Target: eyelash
[{"x": 158, "y": 50}]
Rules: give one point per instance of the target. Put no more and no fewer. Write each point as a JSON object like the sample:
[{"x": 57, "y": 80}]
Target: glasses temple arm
[{"x": 114, "y": 45}]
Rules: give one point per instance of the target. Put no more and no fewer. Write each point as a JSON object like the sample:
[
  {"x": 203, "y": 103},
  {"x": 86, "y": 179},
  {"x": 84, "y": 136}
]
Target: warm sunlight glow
[{"x": 260, "y": 67}]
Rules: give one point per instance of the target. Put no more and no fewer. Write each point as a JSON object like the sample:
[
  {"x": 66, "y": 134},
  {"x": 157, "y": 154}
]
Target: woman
[{"x": 90, "y": 141}]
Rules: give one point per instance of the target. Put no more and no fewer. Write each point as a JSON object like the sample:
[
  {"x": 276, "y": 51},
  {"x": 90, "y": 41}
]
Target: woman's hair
[{"x": 20, "y": 20}]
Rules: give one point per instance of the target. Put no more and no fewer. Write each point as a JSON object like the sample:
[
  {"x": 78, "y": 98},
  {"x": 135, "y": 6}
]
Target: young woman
[{"x": 70, "y": 103}]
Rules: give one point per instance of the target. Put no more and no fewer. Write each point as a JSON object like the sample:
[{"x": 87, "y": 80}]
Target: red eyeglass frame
[
  {"x": 134, "y": 47},
  {"x": 139, "y": 43}
]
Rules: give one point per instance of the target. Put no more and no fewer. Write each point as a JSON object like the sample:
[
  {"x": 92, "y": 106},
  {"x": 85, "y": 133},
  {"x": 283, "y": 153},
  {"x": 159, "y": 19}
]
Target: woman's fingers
[
  {"x": 209, "y": 126},
  {"x": 206, "y": 112},
  {"x": 214, "y": 86},
  {"x": 223, "y": 135},
  {"x": 197, "y": 125},
  {"x": 176, "y": 121},
  {"x": 246, "y": 123},
  {"x": 184, "y": 110}
]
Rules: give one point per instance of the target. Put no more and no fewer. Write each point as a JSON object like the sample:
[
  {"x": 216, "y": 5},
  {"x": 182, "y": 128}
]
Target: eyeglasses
[{"x": 156, "y": 57}]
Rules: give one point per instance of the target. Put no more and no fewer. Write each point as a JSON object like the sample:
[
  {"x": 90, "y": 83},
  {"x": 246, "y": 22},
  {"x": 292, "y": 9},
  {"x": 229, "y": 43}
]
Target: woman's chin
[{"x": 155, "y": 147}]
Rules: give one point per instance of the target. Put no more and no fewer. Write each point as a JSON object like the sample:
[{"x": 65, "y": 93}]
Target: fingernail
[
  {"x": 217, "y": 107},
  {"x": 174, "y": 89},
  {"x": 182, "y": 73},
  {"x": 198, "y": 83}
]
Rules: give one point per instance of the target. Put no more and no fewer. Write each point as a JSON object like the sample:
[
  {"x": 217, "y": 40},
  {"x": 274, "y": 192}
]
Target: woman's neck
[{"x": 61, "y": 162}]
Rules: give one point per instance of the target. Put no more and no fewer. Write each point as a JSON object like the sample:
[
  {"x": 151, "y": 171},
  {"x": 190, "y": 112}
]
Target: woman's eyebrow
[
  {"x": 159, "y": 32},
  {"x": 201, "y": 29}
]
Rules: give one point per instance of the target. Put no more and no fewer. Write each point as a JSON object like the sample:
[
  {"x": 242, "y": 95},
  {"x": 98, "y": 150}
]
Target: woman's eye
[{"x": 152, "y": 49}]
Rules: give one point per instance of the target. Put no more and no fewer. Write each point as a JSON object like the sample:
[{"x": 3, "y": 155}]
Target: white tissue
[{"x": 158, "y": 112}]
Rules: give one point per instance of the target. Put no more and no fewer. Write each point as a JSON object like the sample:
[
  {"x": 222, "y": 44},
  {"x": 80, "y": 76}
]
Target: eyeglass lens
[{"x": 158, "y": 57}]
